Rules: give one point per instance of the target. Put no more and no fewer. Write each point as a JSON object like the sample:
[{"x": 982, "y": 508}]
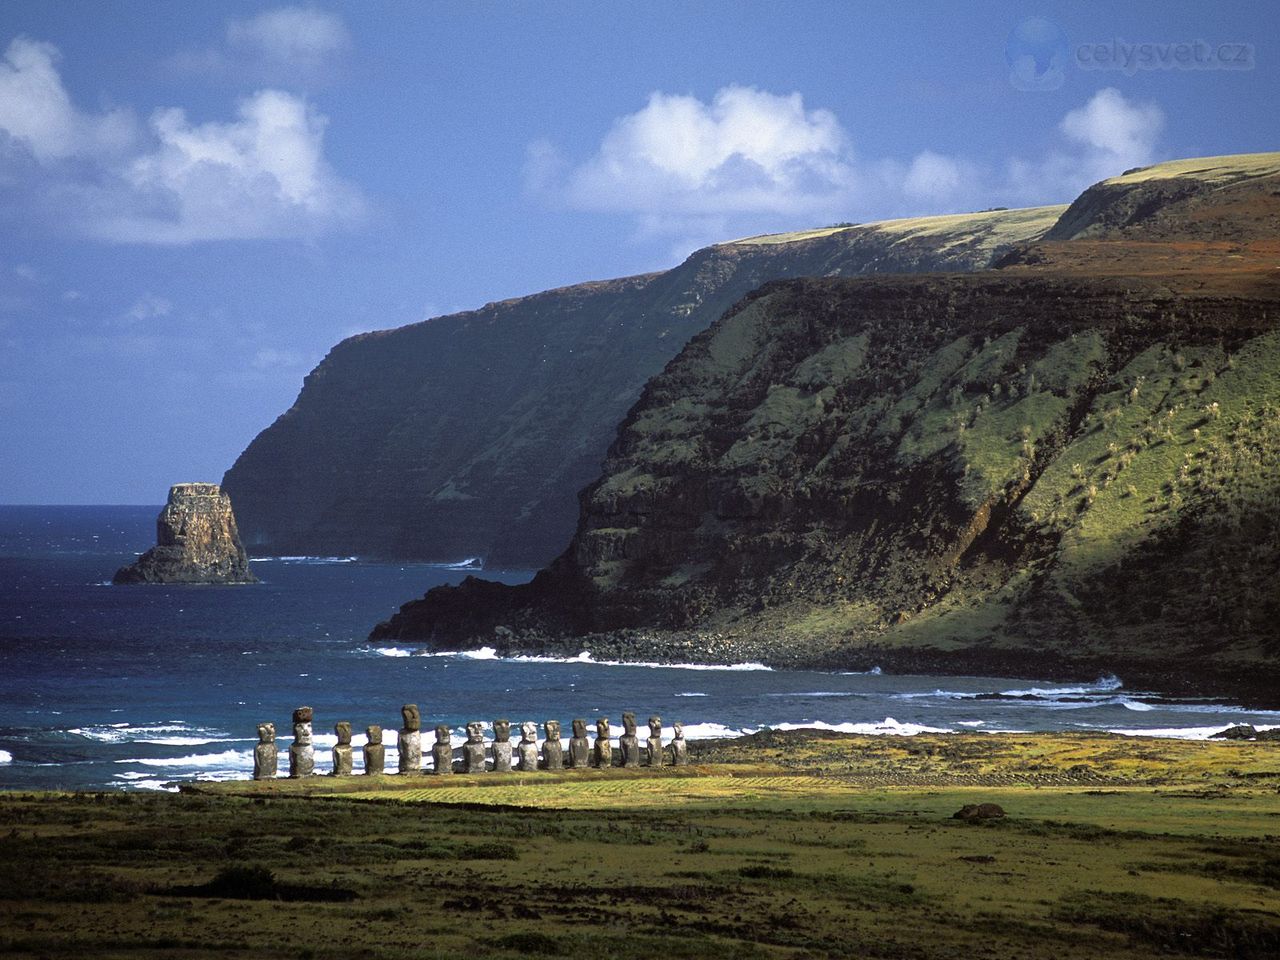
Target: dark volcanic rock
[
  {"x": 196, "y": 541},
  {"x": 1243, "y": 731}
]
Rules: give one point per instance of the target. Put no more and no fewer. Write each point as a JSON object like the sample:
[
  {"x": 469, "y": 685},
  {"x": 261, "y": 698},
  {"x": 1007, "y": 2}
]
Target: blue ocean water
[{"x": 147, "y": 686}]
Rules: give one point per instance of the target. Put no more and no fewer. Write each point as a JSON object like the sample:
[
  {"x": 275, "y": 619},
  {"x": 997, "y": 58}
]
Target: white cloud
[
  {"x": 746, "y": 151},
  {"x": 36, "y": 109},
  {"x": 748, "y": 160},
  {"x": 932, "y": 176},
  {"x": 1116, "y": 131},
  {"x": 284, "y": 45},
  {"x": 260, "y": 175},
  {"x": 148, "y": 307},
  {"x": 296, "y": 36}
]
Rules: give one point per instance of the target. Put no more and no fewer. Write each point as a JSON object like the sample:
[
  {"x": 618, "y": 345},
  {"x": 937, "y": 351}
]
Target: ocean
[{"x": 144, "y": 687}]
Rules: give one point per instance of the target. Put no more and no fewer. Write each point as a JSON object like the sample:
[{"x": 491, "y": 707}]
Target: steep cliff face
[
  {"x": 196, "y": 541},
  {"x": 470, "y": 434},
  {"x": 1072, "y": 463}
]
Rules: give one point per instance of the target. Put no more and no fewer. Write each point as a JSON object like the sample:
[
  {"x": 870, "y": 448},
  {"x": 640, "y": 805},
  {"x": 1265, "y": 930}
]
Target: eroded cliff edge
[{"x": 1067, "y": 465}]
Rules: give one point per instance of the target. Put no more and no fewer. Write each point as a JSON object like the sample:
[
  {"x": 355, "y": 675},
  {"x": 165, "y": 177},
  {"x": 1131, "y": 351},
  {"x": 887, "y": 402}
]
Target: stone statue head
[
  {"x": 266, "y": 732},
  {"x": 678, "y": 727},
  {"x": 602, "y": 728},
  {"x": 374, "y": 733},
  {"x": 475, "y": 732},
  {"x": 529, "y": 731},
  {"x": 655, "y": 726},
  {"x": 412, "y": 717},
  {"x": 552, "y": 727},
  {"x": 442, "y": 734},
  {"x": 579, "y": 728},
  {"x": 501, "y": 731},
  {"x": 343, "y": 729},
  {"x": 302, "y": 715},
  {"x": 629, "y": 724},
  {"x": 302, "y": 733}
]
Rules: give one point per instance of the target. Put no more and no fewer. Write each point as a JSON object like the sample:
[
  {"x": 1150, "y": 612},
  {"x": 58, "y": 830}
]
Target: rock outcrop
[
  {"x": 1068, "y": 465},
  {"x": 470, "y": 435},
  {"x": 196, "y": 541}
]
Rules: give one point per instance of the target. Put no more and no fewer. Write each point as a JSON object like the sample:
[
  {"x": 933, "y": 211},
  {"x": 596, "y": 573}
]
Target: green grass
[{"x": 756, "y": 855}]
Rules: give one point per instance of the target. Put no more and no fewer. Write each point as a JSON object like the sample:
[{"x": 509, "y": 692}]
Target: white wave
[
  {"x": 705, "y": 731},
  {"x": 970, "y": 723},
  {"x": 489, "y": 653},
  {"x": 1136, "y": 705},
  {"x": 1101, "y": 685},
  {"x": 304, "y": 559},
  {"x": 6, "y": 756},
  {"x": 386, "y": 651},
  {"x": 240, "y": 758},
  {"x": 150, "y": 784},
  {"x": 818, "y": 693},
  {"x": 170, "y": 733},
  {"x": 886, "y": 726},
  {"x": 471, "y": 563},
  {"x": 1175, "y": 733},
  {"x": 873, "y": 672},
  {"x": 691, "y": 694}
]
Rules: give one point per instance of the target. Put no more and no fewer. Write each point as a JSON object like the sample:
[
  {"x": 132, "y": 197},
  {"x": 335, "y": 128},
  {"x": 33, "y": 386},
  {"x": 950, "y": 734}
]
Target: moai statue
[
  {"x": 502, "y": 746},
  {"x": 375, "y": 754},
  {"x": 629, "y": 743},
  {"x": 265, "y": 753},
  {"x": 528, "y": 746},
  {"x": 473, "y": 749},
  {"x": 410, "y": 739},
  {"x": 442, "y": 752},
  {"x": 579, "y": 748},
  {"x": 655, "y": 742},
  {"x": 302, "y": 755},
  {"x": 552, "y": 748},
  {"x": 602, "y": 752},
  {"x": 679, "y": 749},
  {"x": 342, "y": 749}
]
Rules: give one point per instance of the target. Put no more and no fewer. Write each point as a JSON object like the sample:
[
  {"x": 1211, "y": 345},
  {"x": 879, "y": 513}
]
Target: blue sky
[{"x": 198, "y": 200}]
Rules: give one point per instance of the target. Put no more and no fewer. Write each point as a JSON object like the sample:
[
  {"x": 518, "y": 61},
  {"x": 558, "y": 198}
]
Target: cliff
[
  {"x": 1069, "y": 464},
  {"x": 196, "y": 541},
  {"x": 471, "y": 434}
]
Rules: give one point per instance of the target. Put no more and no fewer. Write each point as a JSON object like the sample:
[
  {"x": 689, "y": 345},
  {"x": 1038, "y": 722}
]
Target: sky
[{"x": 198, "y": 200}]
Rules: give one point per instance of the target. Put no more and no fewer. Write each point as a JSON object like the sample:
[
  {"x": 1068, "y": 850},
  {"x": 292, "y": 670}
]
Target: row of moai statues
[{"x": 524, "y": 756}]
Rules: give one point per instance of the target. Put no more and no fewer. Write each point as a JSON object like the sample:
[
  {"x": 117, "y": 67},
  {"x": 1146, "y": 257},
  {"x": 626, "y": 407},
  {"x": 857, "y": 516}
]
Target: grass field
[{"x": 795, "y": 845}]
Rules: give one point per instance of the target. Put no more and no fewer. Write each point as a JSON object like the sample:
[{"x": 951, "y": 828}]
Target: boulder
[
  {"x": 979, "y": 811},
  {"x": 196, "y": 541}
]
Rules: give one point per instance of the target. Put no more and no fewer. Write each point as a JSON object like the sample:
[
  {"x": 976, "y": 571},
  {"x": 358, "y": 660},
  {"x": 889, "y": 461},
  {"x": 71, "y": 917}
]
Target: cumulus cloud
[
  {"x": 746, "y": 151},
  {"x": 749, "y": 159},
  {"x": 284, "y": 45},
  {"x": 1116, "y": 131},
  {"x": 260, "y": 175}
]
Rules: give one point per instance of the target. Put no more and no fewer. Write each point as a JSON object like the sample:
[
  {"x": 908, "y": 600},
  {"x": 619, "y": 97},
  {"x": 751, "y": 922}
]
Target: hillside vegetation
[{"x": 1071, "y": 463}]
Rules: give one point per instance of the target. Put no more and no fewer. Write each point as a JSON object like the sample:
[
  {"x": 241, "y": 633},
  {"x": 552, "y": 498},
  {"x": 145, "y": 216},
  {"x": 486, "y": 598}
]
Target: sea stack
[{"x": 196, "y": 541}]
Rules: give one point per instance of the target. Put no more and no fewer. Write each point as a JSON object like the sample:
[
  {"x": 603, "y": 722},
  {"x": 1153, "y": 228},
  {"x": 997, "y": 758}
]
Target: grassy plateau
[{"x": 803, "y": 844}]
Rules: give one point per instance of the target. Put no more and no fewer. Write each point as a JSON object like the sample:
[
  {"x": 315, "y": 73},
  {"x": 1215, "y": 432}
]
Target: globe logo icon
[{"x": 1037, "y": 55}]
